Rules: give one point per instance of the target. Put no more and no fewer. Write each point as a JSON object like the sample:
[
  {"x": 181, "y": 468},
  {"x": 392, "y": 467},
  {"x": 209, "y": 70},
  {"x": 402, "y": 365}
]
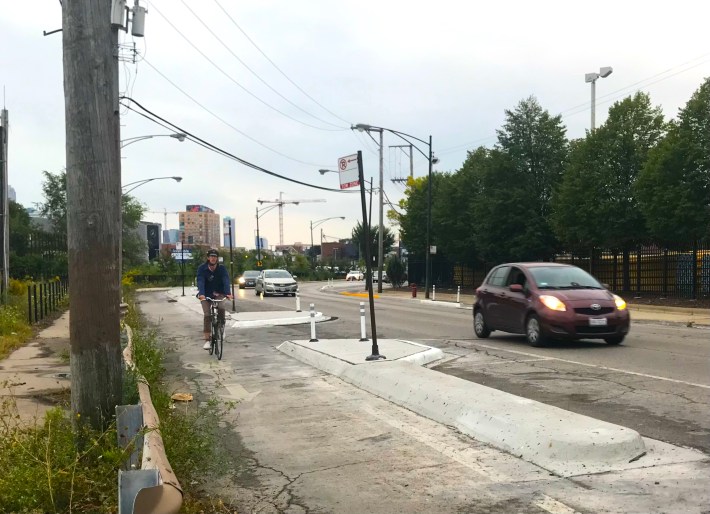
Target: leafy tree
[
  {"x": 358, "y": 235},
  {"x": 413, "y": 220},
  {"x": 54, "y": 208},
  {"x": 674, "y": 185},
  {"x": 54, "y": 189},
  {"x": 513, "y": 186},
  {"x": 395, "y": 270},
  {"x": 596, "y": 202}
]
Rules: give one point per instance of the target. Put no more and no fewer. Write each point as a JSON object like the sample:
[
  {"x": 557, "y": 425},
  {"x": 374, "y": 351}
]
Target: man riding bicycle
[{"x": 212, "y": 282}]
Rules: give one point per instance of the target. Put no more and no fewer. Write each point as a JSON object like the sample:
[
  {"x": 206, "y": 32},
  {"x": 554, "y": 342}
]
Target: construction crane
[
  {"x": 281, "y": 202},
  {"x": 165, "y": 213}
]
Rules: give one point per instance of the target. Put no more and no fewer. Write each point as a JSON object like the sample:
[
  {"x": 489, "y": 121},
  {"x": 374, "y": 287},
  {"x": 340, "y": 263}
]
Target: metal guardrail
[{"x": 153, "y": 487}]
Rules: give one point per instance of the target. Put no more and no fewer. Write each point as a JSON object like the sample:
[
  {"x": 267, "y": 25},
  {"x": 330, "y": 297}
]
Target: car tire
[
  {"x": 479, "y": 325},
  {"x": 241, "y": 287},
  {"x": 533, "y": 332},
  {"x": 614, "y": 340}
]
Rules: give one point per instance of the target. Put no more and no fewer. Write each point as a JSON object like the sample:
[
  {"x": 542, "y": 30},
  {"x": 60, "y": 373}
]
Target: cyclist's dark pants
[{"x": 206, "y": 311}]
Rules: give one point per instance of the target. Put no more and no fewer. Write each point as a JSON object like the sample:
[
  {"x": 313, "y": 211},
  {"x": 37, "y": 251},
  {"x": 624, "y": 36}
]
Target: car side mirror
[
  {"x": 516, "y": 288},
  {"x": 294, "y": 276}
]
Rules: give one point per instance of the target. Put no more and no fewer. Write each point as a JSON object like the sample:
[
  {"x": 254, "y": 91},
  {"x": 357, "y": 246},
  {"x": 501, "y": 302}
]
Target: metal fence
[
  {"x": 44, "y": 298},
  {"x": 681, "y": 271}
]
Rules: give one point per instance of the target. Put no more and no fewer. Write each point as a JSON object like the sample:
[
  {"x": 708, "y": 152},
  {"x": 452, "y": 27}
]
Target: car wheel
[
  {"x": 614, "y": 340},
  {"x": 533, "y": 331},
  {"x": 241, "y": 287},
  {"x": 479, "y": 325}
]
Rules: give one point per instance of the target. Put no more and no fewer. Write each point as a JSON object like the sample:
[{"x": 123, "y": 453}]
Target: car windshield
[
  {"x": 563, "y": 277},
  {"x": 251, "y": 274},
  {"x": 277, "y": 274}
]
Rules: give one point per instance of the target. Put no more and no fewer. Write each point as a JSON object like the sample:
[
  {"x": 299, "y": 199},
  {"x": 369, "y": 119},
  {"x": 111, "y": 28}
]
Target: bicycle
[{"x": 216, "y": 328}]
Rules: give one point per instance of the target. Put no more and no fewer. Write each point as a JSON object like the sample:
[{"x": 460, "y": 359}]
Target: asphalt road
[
  {"x": 657, "y": 382},
  {"x": 304, "y": 441}
]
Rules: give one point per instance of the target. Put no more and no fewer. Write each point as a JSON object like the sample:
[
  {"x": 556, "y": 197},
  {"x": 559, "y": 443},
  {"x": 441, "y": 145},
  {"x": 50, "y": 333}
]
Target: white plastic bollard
[
  {"x": 433, "y": 293},
  {"x": 298, "y": 302},
  {"x": 313, "y": 324},
  {"x": 458, "y": 294},
  {"x": 363, "y": 334}
]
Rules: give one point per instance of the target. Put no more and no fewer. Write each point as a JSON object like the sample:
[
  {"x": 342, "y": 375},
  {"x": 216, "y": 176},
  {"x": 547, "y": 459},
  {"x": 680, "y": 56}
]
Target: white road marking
[
  {"x": 553, "y": 506},
  {"x": 592, "y": 365}
]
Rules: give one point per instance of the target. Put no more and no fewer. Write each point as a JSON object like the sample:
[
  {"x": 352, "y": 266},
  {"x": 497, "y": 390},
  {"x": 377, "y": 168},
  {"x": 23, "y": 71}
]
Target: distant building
[
  {"x": 228, "y": 222},
  {"x": 38, "y": 221},
  {"x": 150, "y": 233},
  {"x": 11, "y": 195},
  {"x": 199, "y": 225},
  {"x": 261, "y": 242},
  {"x": 171, "y": 236}
]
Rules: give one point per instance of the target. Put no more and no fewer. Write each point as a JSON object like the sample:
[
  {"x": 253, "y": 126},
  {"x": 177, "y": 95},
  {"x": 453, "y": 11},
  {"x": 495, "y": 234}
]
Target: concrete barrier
[{"x": 560, "y": 441}]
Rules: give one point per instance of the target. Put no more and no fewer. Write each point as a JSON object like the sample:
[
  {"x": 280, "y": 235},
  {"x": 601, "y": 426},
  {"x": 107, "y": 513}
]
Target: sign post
[
  {"x": 351, "y": 174},
  {"x": 179, "y": 246}
]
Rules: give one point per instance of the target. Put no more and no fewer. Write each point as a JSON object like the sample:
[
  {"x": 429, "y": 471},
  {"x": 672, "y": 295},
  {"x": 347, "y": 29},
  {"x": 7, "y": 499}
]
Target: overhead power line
[
  {"x": 225, "y": 121},
  {"x": 236, "y": 82},
  {"x": 148, "y": 114},
  {"x": 276, "y": 67}
]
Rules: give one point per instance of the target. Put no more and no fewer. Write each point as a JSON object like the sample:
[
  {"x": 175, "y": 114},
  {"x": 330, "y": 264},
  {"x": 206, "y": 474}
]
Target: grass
[{"x": 43, "y": 472}]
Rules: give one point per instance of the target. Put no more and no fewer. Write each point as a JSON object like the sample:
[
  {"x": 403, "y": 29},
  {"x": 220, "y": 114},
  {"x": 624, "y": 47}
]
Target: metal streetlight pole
[
  {"x": 592, "y": 77},
  {"x": 315, "y": 224},
  {"x": 432, "y": 160},
  {"x": 263, "y": 211}
]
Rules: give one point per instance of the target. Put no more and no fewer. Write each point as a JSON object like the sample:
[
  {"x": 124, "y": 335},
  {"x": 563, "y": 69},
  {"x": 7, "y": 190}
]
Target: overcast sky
[{"x": 278, "y": 83}]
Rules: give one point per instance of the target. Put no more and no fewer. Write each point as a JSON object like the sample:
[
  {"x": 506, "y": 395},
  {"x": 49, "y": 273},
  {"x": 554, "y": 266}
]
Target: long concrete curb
[{"x": 563, "y": 442}]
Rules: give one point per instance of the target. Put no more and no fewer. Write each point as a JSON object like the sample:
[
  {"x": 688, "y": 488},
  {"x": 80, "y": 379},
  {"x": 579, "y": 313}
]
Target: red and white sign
[{"x": 348, "y": 171}]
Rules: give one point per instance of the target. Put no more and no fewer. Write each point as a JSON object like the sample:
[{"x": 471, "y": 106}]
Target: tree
[
  {"x": 54, "y": 208},
  {"x": 395, "y": 271},
  {"x": 514, "y": 184},
  {"x": 596, "y": 204},
  {"x": 358, "y": 235},
  {"x": 673, "y": 187},
  {"x": 54, "y": 190}
]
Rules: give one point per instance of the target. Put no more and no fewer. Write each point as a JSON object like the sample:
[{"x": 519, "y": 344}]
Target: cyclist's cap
[{"x": 212, "y": 252}]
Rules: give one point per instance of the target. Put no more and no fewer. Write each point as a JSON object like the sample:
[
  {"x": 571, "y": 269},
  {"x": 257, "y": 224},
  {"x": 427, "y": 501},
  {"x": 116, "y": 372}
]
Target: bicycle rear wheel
[{"x": 219, "y": 346}]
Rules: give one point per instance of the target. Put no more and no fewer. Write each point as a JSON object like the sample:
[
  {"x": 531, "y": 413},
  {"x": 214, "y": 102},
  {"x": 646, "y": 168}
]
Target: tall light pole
[
  {"x": 432, "y": 160},
  {"x": 130, "y": 140},
  {"x": 315, "y": 224},
  {"x": 259, "y": 214},
  {"x": 139, "y": 183},
  {"x": 381, "y": 227},
  {"x": 592, "y": 77}
]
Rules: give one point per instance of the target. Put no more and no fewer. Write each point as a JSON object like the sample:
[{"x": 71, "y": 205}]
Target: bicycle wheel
[
  {"x": 213, "y": 336},
  {"x": 219, "y": 346}
]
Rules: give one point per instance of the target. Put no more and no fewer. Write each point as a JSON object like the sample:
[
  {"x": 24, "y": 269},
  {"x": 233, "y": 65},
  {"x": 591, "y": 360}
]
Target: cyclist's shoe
[{"x": 207, "y": 345}]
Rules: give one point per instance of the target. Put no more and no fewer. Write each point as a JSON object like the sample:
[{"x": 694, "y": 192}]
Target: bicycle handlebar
[{"x": 215, "y": 300}]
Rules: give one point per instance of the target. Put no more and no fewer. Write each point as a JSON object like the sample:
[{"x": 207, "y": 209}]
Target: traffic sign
[
  {"x": 182, "y": 255},
  {"x": 348, "y": 172}
]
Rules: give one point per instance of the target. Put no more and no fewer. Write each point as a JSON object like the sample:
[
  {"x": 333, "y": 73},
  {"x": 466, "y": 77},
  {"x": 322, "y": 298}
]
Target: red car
[{"x": 545, "y": 300}]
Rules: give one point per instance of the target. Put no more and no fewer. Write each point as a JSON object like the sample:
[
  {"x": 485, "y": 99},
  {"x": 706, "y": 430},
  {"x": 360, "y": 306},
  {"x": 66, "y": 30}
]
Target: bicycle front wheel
[
  {"x": 219, "y": 347},
  {"x": 213, "y": 338}
]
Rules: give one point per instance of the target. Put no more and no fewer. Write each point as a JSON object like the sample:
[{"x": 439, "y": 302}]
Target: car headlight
[
  {"x": 553, "y": 303},
  {"x": 619, "y": 301},
  {"x": 241, "y": 280}
]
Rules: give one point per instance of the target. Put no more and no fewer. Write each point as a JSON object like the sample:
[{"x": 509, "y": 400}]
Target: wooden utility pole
[{"x": 93, "y": 208}]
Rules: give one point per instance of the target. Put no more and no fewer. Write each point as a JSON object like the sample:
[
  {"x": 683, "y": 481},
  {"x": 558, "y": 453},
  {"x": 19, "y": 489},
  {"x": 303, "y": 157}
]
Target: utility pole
[
  {"x": 411, "y": 162},
  {"x": 4, "y": 209},
  {"x": 93, "y": 209},
  {"x": 381, "y": 228}
]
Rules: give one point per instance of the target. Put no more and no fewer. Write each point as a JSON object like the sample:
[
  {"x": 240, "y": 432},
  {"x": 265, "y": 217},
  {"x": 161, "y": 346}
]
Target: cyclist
[{"x": 213, "y": 282}]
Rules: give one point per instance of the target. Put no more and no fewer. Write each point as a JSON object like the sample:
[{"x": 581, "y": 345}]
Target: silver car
[{"x": 275, "y": 281}]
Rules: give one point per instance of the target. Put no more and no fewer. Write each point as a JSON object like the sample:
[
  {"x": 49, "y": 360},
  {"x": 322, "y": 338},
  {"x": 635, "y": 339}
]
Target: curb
[
  {"x": 319, "y": 317},
  {"x": 563, "y": 442}
]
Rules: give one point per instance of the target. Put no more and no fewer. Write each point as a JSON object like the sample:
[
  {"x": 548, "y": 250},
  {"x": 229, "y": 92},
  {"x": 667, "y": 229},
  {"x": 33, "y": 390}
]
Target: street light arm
[
  {"x": 129, "y": 141},
  {"x": 364, "y": 127},
  {"x": 139, "y": 183},
  {"x": 318, "y": 222}
]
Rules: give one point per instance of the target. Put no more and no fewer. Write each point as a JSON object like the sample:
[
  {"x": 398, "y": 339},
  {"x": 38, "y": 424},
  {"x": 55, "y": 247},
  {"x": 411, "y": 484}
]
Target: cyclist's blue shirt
[{"x": 210, "y": 282}]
